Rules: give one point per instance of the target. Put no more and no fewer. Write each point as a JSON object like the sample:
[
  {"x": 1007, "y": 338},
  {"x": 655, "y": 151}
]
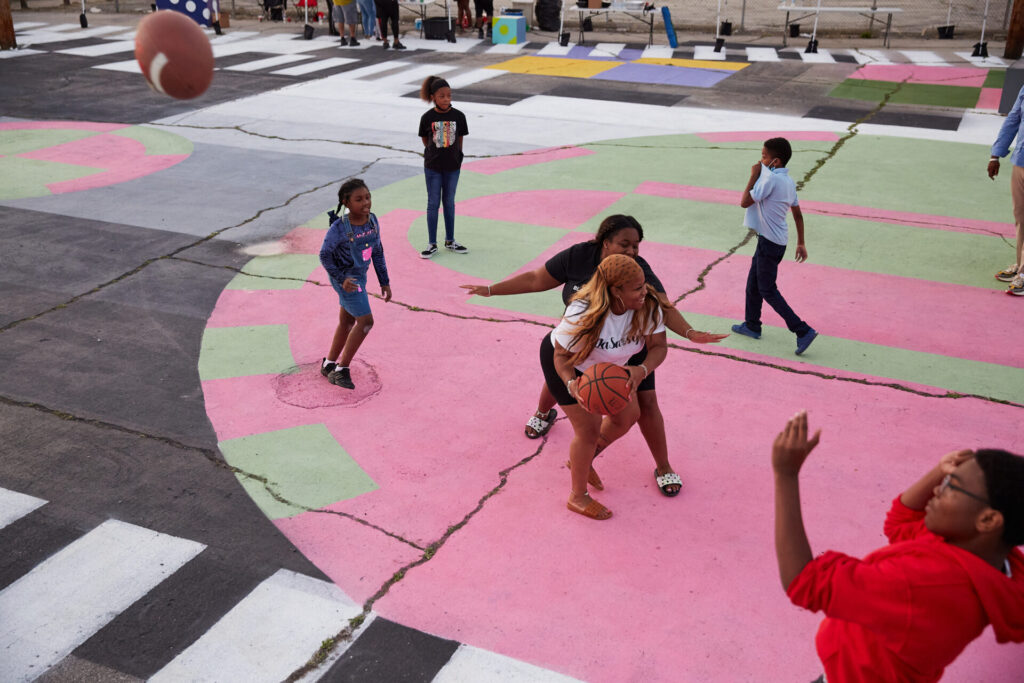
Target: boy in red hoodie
[{"x": 952, "y": 567}]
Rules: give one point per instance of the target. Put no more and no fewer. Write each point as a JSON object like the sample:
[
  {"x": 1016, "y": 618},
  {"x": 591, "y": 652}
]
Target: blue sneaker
[
  {"x": 803, "y": 342},
  {"x": 744, "y": 330}
]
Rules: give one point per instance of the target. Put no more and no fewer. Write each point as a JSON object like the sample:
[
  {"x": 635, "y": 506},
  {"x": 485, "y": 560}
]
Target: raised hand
[{"x": 792, "y": 446}]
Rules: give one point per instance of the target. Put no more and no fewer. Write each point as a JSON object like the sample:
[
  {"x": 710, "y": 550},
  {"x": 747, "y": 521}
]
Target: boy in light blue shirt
[{"x": 768, "y": 198}]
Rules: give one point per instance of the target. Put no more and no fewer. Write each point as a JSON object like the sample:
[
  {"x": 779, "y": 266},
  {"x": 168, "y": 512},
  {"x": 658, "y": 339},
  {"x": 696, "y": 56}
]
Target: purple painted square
[
  {"x": 629, "y": 54},
  {"x": 664, "y": 74}
]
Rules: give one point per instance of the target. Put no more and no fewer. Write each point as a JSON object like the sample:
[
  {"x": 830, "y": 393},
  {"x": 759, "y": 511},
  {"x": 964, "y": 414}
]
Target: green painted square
[
  {"x": 242, "y": 351},
  {"x": 283, "y": 271},
  {"x": 908, "y": 93},
  {"x": 303, "y": 465},
  {"x": 20, "y": 141},
  {"x": 905, "y": 176},
  {"x": 30, "y": 177},
  {"x": 995, "y": 78},
  {"x": 682, "y": 222}
]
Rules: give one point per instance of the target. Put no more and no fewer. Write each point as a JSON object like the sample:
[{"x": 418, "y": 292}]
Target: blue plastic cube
[{"x": 508, "y": 29}]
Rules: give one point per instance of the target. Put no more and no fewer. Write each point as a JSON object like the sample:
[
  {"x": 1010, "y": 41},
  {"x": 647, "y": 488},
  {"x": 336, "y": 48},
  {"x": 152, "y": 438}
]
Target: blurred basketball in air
[{"x": 174, "y": 54}]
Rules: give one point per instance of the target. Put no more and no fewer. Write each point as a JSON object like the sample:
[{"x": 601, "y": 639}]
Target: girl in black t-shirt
[{"x": 441, "y": 128}]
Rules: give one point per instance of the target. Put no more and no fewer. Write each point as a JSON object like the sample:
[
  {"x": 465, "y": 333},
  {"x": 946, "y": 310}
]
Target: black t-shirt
[
  {"x": 443, "y": 130},
  {"x": 576, "y": 265}
]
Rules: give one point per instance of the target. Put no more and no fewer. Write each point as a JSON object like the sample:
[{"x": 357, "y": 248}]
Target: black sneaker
[
  {"x": 399, "y": 46},
  {"x": 456, "y": 247},
  {"x": 344, "y": 41},
  {"x": 385, "y": 45},
  {"x": 429, "y": 251},
  {"x": 352, "y": 42},
  {"x": 328, "y": 368},
  {"x": 341, "y": 377}
]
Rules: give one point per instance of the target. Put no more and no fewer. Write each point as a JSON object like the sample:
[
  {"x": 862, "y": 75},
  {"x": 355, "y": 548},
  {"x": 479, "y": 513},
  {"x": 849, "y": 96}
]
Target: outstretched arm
[
  {"x": 790, "y": 450},
  {"x": 675, "y": 321},
  {"x": 538, "y": 280}
]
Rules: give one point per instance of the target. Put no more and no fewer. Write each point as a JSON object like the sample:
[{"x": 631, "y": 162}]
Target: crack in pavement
[
  {"x": 346, "y": 634},
  {"x": 211, "y": 454},
  {"x": 173, "y": 253}
]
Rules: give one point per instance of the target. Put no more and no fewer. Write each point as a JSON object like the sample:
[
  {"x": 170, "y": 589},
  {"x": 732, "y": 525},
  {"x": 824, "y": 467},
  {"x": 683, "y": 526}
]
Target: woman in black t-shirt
[
  {"x": 441, "y": 128},
  {"x": 572, "y": 268}
]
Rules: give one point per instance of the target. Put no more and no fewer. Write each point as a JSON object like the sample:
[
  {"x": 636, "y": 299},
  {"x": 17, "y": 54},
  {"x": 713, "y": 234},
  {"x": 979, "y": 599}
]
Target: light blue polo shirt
[
  {"x": 773, "y": 194},
  {"x": 1013, "y": 127}
]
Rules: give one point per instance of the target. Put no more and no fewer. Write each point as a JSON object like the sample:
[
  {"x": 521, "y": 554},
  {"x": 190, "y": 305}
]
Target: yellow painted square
[
  {"x": 693, "y": 63},
  {"x": 556, "y": 66}
]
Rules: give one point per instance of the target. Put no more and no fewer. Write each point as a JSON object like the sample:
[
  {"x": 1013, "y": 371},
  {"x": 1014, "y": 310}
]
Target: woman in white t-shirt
[{"x": 614, "y": 318}]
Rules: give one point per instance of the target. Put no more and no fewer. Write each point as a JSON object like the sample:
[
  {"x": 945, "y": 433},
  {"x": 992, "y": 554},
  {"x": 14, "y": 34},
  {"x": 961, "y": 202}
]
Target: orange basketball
[
  {"x": 174, "y": 54},
  {"x": 603, "y": 388}
]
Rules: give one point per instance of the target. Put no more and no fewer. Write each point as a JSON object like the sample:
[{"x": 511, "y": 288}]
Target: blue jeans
[
  {"x": 764, "y": 268},
  {"x": 441, "y": 193},
  {"x": 368, "y": 13}
]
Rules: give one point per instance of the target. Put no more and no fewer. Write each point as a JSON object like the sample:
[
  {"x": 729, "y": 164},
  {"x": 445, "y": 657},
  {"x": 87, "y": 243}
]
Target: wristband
[
  {"x": 646, "y": 371},
  {"x": 687, "y": 333},
  {"x": 488, "y": 290},
  {"x": 993, "y": 158}
]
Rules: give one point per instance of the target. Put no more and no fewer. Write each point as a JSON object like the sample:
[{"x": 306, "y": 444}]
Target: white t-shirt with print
[{"x": 612, "y": 345}]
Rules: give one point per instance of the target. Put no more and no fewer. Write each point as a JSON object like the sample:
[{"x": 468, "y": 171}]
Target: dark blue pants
[
  {"x": 441, "y": 194},
  {"x": 764, "y": 268}
]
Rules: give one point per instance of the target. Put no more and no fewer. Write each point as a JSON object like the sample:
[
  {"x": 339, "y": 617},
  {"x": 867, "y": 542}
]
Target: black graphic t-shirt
[
  {"x": 576, "y": 265},
  {"x": 443, "y": 130}
]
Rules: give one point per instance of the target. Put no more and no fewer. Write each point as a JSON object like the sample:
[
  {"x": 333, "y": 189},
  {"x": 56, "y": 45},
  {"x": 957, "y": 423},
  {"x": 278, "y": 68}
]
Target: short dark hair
[
  {"x": 613, "y": 224},
  {"x": 1004, "y": 483},
  {"x": 348, "y": 187},
  {"x": 780, "y": 149}
]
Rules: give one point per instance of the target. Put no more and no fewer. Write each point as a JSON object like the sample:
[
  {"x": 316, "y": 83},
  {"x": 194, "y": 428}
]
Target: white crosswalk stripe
[
  {"x": 555, "y": 50},
  {"x": 657, "y": 52},
  {"x": 65, "y": 599},
  {"x": 267, "y": 635},
  {"x": 311, "y": 67},
  {"x": 708, "y": 52},
  {"x": 101, "y": 49},
  {"x": 71, "y": 596},
  {"x": 14, "y": 506},
  {"x": 819, "y": 57},
  {"x": 607, "y": 49},
  {"x": 924, "y": 57},
  {"x": 990, "y": 61},
  {"x": 762, "y": 54},
  {"x": 472, "y": 77},
  {"x": 505, "y": 49},
  {"x": 267, "y": 63}
]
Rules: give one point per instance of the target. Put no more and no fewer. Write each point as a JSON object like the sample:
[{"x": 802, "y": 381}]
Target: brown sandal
[
  {"x": 592, "y": 478},
  {"x": 594, "y": 510}
]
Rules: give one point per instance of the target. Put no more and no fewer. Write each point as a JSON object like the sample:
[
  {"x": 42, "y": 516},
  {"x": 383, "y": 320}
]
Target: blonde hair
[{"x": 614, "y": 271}]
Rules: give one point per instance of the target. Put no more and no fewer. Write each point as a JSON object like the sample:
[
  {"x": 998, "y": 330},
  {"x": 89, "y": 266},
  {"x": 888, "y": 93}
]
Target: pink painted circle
[{"x": 40, "y": 158}]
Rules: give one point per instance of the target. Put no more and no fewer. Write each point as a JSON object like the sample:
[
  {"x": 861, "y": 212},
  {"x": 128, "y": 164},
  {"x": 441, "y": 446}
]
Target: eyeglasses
[{"x": 947, "y": 483}]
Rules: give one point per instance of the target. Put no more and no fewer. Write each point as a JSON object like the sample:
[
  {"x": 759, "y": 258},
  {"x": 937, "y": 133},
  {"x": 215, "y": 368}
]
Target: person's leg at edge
[
  {"x": 433, "y": 202},
  {"x": 544, "y": 404},
  {"x": 767, "y": 272},
  {"x": 1017, "y": 194},
  {"x": 652, "y": 426},
  {"x": 450, "y": 181},
  {"x": 752, "y": 309},
  {"x": 360, "y": 328},
  {"x": 345, "y": 322}
]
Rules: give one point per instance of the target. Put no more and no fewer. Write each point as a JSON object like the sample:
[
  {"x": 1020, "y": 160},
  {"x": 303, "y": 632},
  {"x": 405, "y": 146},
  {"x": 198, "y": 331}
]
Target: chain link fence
[{"x": 916, "y": 18}]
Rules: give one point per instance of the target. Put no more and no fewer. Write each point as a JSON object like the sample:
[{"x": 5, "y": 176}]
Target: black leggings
[
  {"x": 387, "y": 9},
  {"x": 558, "y": 388}
]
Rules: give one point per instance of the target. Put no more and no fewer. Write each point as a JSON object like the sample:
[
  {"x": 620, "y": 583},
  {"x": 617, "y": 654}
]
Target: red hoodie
[{"x": 906, "y": 611}]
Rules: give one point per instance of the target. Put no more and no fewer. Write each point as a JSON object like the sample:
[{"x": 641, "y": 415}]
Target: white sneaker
[{"x": 1017, "y": 286}]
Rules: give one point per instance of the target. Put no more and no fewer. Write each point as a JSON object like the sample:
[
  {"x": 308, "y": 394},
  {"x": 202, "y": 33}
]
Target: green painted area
[
  {"x": 954, "y": 374},
  {"x": 995, "y": 78},
  {"x": 241, "y": 351},
  {"x": 497, "y": 249},
  {"x": 156, "y": 141},
  {"x": 907, "y": 93},
  {"x": 920, "y": 176},
  {"x": 21, "y": 141},
  {"x": 304, "y": 465},
  {"x": 29, "y": 178},
  {"x": 260, "y": 273}
]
